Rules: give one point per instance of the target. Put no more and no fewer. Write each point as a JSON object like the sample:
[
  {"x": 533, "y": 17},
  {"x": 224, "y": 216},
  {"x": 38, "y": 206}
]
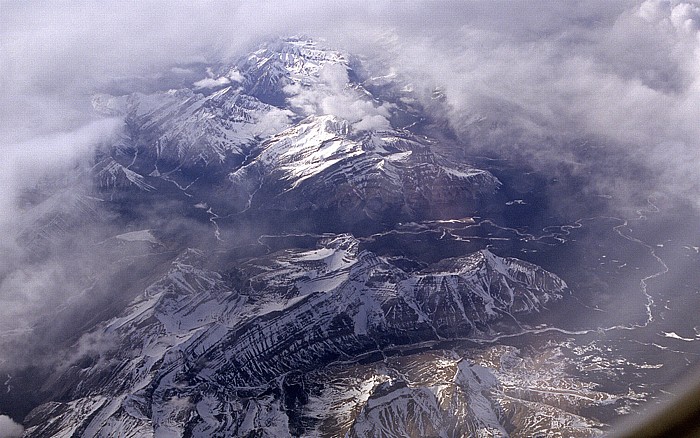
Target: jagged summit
[
  {"x": 367, "y": 174},
  {"x": 219, "y": 117},
  {"x": 286, "y": 128},
  {"x": 286, "y": 62}
]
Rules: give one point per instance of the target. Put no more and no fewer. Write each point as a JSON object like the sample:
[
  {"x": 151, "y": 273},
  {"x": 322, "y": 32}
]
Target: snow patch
[{"x": 674, "y": 335}]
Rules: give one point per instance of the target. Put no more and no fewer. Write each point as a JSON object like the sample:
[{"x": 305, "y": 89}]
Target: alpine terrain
[{"x": 297, "y": 245}]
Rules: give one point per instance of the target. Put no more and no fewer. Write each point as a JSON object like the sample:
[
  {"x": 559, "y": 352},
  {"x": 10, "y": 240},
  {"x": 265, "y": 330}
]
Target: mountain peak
[{"x": 286, "y": 62}]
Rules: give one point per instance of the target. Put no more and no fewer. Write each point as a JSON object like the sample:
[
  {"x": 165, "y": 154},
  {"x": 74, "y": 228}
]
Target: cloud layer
[
  {"x": 334, "y": 95},
  {"x": 9, "y": 429}
]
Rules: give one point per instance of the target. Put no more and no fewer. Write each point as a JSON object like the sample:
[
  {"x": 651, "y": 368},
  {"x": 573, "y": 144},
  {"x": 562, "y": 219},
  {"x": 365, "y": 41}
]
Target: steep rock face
[
  {"x": 321, "y": 163},
  {"x": 349, "y": 304},
  {"x": 120, "y": 383},
  {"x": 283, "y": 63},
  {"x": 198, "y": 344}
]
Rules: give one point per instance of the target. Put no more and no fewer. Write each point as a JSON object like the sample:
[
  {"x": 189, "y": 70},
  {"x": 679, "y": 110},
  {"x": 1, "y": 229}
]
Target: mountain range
[{"x": 241, "y": 208}]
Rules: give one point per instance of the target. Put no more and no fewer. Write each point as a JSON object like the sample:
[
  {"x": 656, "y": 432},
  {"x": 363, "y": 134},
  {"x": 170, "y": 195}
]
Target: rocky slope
[
  {"x": 289, "y": 127},
  {"x": 314, "y": 335},
  {"x": 209, "y": 354}
]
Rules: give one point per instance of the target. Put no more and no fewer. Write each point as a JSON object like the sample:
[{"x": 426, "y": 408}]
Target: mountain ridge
[{"x": 261, "y": 185}]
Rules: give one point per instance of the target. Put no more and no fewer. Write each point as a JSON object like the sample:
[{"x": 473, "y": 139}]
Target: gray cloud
[{"x": 26, "y": 162}]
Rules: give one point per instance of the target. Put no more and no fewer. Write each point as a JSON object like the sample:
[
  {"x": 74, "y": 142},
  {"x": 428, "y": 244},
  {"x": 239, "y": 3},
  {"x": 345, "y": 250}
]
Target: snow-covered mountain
[
  {"x": 321, "y": 164},
  {"x": 268, "y": 71},
  {"x": 219, "y": 117},
  {"x": 206, "y": 354},
  {"x": 289, "y": 127},
  {"x": 256, "y": 191},
  {"x": 177, "y": 128}
]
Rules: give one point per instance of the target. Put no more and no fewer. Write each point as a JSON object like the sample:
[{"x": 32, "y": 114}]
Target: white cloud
[
  {"x": 653, "y": 10},
  {"x": 25, "y": 163},
  {"x": 683, "y": 16},
  {"x": 212, "y": 83},
  {"x": 27, "y": 289},
  {"x": 372, "y": 123},
  {"x": 273, "y": 122},
  {"x": 624, "y": 74},
  {"x": 334, "y": 76},
  {"x": 235, "y": 76},
  {"x": 10, "y": 429},
  {"x": 335, "y": 95}
]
